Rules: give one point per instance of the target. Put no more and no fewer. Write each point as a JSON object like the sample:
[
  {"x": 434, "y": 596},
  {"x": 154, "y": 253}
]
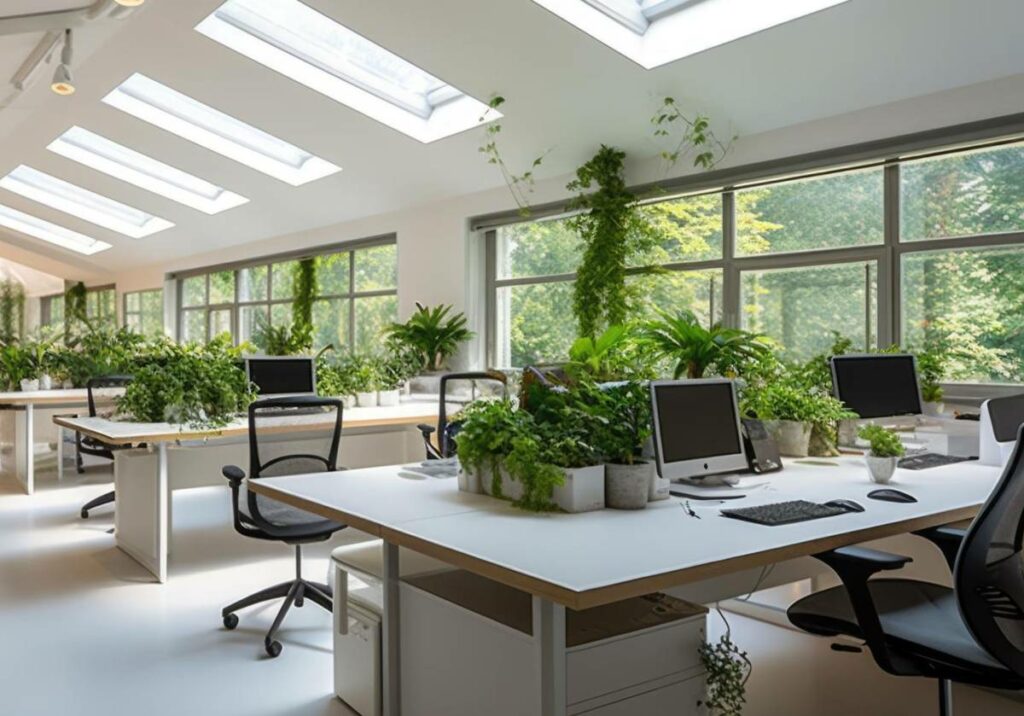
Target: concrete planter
[
  {"x": 626, "y": 487},
  {"x": 582, "y": 491},
  {"x": 389, "y": 398},
  {"x": 348, "y": 401},
  {"x": 934, "y": 409},
  {"x": 793, "y": 437},
  {"x": 510, "y": 489},
  {"x": 29, "y": 385},
  {"x": 367, "y": 400},
  {"x": 881, "y": 469}
]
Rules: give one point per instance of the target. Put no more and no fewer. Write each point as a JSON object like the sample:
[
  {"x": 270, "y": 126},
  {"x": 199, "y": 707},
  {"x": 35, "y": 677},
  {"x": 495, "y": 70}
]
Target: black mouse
[
  {"x": 890, "y": 495},
  {"x": 848, "y": 505}
]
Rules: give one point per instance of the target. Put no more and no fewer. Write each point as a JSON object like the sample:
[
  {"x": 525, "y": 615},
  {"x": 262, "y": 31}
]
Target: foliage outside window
[{"x": 144, "y": 311}]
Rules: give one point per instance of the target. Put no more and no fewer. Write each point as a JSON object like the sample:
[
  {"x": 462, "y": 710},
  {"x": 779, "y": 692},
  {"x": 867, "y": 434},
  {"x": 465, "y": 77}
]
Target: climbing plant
[
  {"x": 304, "y": 290},
  {"x": 12, "y": 310}
]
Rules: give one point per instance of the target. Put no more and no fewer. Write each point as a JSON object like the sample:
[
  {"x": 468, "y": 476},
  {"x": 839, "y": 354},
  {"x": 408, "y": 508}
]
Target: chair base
[
  {"x": 295, "y": 591},
  {"x": 104, "y": 499}
]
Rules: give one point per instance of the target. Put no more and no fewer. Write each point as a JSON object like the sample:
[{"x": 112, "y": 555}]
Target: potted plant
[
  {"x": 365, "y": 377},
  {"x": 15, "y": 366},
  {"x": 884, "y": 452},
  {"x": 931, "y": 367},
  {"x": 484, "y": 442},
  {"x": 336, "y": 379},
  {"x": 433, "y": 334},
  {"x": 694, "y": 349},
  {"x": 625, "y": 425},
  {"x": 790, "y": 411}
]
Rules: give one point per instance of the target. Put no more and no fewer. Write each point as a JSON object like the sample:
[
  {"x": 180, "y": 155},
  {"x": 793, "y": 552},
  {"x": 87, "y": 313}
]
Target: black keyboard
[
  {"x": 923, "y": 461},
  {"x": 784, "y": 513}
]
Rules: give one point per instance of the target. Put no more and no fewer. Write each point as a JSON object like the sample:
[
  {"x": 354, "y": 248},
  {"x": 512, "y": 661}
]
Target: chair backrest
[
  {"x": 445, "y": 431},
  {"x": 989, "y": 571},
  {"x": 103, "y": 381}
]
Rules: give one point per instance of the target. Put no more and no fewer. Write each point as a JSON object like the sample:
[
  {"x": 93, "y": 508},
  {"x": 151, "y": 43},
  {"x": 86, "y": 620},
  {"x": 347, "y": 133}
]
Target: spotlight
[{"x": 62, "y": 83}]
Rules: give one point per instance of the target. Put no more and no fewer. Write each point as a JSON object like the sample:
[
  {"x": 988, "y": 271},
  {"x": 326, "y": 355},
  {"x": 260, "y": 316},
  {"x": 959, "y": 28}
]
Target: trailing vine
[
  {"x": 694, "y": 135},
  {"x": 614, "y": 231},
  {"x": 727, "y": 670},
  {"x": 304, "y": 288},
  {"x": 519, "y": 185},
  {"x": 12, "y": 310}
]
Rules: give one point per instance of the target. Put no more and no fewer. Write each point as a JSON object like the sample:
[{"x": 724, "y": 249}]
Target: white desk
[
  {"x": 20, "y": 413},
  {"x": 588, "y": 559},
  {"x": 178, "y": 456}
]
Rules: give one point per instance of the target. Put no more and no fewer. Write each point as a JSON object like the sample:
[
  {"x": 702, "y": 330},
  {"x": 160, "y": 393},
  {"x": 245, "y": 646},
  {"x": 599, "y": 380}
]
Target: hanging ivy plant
[
  {"x": 12, "y": 310},
  {"x": 689, "y": 135},
  {"x": 728, "y": 670},
  {"x": 520, "y": 186},
  {"x": 304, "y": 288},
  {"x": 74, "y": 304}
]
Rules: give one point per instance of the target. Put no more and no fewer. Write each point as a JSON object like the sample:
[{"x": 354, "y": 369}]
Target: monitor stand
[{"x": 724, "y": 480}]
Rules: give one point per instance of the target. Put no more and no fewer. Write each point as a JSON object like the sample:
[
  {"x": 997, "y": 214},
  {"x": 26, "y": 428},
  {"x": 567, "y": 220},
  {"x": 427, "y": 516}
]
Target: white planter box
[
  {"x": 348, "y": 401},
  {"x": 389, "y": 398},
  {"x": 510, "y": 489},
  {"x": 366, "y": 400},
  {"x": 583, "y": 490}
]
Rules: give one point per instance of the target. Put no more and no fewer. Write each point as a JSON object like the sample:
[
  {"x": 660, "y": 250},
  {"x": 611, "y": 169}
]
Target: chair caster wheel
[
  {"x": 273, "y": 649},
  {"x": 230, "y": 621}
]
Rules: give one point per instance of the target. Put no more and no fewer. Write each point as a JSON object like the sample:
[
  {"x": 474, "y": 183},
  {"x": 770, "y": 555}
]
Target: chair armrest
[
  {"x": 427, "y": 430},
  {"x": 855, "y": 565},
  {"x": 234, "y": 474},
  {"x": 947, "y": 539}
]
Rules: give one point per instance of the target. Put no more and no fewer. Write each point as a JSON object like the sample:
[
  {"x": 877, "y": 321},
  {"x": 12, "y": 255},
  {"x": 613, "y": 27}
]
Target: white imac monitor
[
  {"x": 278, "y": 376},
  {"x": 696, "y": 428}
]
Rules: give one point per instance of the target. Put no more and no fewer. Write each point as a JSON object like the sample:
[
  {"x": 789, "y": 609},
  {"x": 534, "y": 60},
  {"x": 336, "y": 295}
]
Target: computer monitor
[
  {"x": 284, "y": 375},
  {"x": 696, "y": 428},
  {"x": 877, "y": 386}
]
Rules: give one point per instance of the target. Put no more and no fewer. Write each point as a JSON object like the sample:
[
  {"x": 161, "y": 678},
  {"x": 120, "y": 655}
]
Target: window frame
[{"x": 125, "y": 312}]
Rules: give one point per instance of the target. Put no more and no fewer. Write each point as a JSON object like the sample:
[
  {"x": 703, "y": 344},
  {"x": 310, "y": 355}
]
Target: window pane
[
  {"x": 220, "y": 322},
  {"x": 132, "y": 302},
  {"x": 248, "y": 320},
  {"x": 133, "y": 322},
  {"x": 537, "y": 248},
  {"x": 222, "y": 287},
  {"x": 690, "y": 227},
  {"x": 377, "y": 268},
  {"x": 535, "y": 324},
  {"x": 193, "y": 325},
  {"x": 675, "y": 291},
  {"x": 152, "y": 312},
  {"x": 252, "y": 284},
  {"x": 968, "y": 302},
  {"x": 193, "y": 291},
  {"x": 826, "y": 212},
  {"x": 800, "y": 308},
  {"x": 281, "y": 280},
  {"x": 372, "y": 315},
  {"x": 56, "y": 310},
  {"x": 330, "y": 323},
  {"x": 964, "y": 194},
  {"x": 281, "y": 314},
  {"x": 332, "y": 273}
]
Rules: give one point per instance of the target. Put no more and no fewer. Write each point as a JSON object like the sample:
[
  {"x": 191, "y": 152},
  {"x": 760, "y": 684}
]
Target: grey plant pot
[
  {"x": 881, "y": 469},
  {"x": 793, "y": 437},
  {"x": 626, "y": 487}
]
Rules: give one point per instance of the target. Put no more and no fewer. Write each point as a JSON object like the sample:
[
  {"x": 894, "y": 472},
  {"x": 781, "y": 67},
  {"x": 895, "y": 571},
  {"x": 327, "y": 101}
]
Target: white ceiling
[{"x": 564, "y": 90}]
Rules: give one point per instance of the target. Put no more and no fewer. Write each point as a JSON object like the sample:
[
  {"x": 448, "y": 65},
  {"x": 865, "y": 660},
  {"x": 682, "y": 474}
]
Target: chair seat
[
  {"x": 920, "y": 618},
  {"x": 279, "y": 514}
]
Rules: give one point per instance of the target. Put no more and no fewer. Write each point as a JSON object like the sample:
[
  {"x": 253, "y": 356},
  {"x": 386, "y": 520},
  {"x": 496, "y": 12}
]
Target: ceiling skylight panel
[
  {"x": 201, "y": 124},
  {"x": 126, "y": 164},
  {"x": 291, "y": 38},
  {"x": 655, "y": 32},
  {"x": 52, "y": 233},
  {"x": 71, "y": 199}
]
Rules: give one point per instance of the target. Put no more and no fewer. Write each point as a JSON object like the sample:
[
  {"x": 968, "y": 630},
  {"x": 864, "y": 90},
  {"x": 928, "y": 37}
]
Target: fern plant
[
  {"x": 433, "y": 333},
  {"x": 695, "y": 349}
]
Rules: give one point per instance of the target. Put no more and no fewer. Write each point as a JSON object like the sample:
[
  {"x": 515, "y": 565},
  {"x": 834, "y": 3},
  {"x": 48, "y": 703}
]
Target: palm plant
[
  {"x": 432, "y": 333},
  {"x": 695, "y": 349}
]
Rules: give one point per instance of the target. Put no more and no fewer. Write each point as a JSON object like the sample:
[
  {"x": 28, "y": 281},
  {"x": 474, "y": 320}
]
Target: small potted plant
[
  {"x": 931, "y": 367},
  {"x": 434, "y": 335},
  {"x": 884, "y": 452},
  {"x": 484, "y": 442},
  {"x": 791, "y": 410},
  {"x": 625, "y": 427},
  {"x": 365, "y": 377},
  {"x": 336, "y": 379}
]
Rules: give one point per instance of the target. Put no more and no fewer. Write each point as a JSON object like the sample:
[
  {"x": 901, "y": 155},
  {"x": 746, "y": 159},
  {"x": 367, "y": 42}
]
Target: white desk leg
[
  {"x": 24, "y": 449},
  {"x": 552, "y": 658},
  {"x": 163, "y": 497},
  {"x": 60, "y": 453},
  {"x": 392, "y": 697}
]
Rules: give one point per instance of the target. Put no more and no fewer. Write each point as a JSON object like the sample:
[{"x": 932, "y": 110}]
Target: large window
[
  {"x": 356, "y": 298},
  {"x": 101, "y": 306},
  {"x": 926, "y": 251},
  {"x": 144, "y": 311}
]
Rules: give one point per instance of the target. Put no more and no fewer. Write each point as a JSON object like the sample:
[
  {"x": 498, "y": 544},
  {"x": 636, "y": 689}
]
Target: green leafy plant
[
  {"x": 625, "y": 419},
  {"x": 304, "y": 289},
  {"x": 12, "y": 310},
  {"x": 614, "y": 232},
  {"x": 486, "y": 438},
  {"x": 75, "y": 311},
  {"x": 695, "y": 349},
  {"x": 529, "y": 463},
  {"x": 520, "y": 186},
  {"x": 727, "y": 669},
  {"x": 884, "y": 443},
  {"x": 613, "y": 355},
  {"x": 786, "y": 399},
  {"x": 689, "y": 135},
  {"x": 931, "y": 368},
  {"x": 334, "y": 377},
  {"x": 566, "y": 422},
  {"x": 434, "y": 334},
  {"x": 15, "y": 366}
]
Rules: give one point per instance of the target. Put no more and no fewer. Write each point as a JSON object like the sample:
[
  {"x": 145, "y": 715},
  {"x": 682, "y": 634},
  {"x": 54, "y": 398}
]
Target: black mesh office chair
[
  {"x": 971, "y": 634},
  {"x": 262, "y": 518},
  {"x": 446, "y": 431},
  {"x": 85, "y": 445}
]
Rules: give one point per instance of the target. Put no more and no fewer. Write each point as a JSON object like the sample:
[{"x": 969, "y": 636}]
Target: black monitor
[
  {"x": 696, "y": 428},
  {"x": 878, "y": 385},
  {"x": 286, "y": 375}
]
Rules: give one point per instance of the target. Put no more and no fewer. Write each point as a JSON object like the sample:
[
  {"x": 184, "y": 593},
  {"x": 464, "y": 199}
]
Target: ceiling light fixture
[
  {"x": 655, "y": 32},
  {"x": 52, "y": 233},
  {"x": 126, "y": 164},
  {"x": 62, "y": 82},
  {"x": 307, "y": 46},
  {"x": 130, "y": 3},
  {"x": 183, "y": 116},
  {"x": 82, "y": 203}
]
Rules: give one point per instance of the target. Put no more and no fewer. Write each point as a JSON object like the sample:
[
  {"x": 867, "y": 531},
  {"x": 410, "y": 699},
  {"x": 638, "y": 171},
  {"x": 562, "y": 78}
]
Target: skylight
[
  {"x": 123, "y": 163},
  {"x": 314, "y": 50},
  {"x": 655, "y": 32},
  {"x": 221, "y": 133},
  {"x": 65, "y": 238},
  {"x": 69, "y": 198}
]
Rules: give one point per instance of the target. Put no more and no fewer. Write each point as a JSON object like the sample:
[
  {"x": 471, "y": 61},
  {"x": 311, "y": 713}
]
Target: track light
[
  {"x": 62, "y": 82},
  {"x": 130, "y": 3}
]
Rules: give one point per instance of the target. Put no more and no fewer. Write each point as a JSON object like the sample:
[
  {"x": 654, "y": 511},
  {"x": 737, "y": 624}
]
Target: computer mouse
[
  {"x": 848, "y": 505},
  {"x": 890, "y": 495}
]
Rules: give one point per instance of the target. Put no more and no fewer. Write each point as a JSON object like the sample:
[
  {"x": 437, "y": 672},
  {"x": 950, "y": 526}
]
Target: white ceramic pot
[
  {"x": 510, "y": 489},
  {"x": 934, "y": 409},
  {"x": 389, "y": 398},
  {"x": 792, "y": 437},
  {"x": 626, "y": 487},
  {"x": 348, "y": 401},
  {"x": 367, "y": 400},
  {"x": 469, "y": 481},
  {"x": 582, "y": 491},
  {"x": 881, "y": 469},
  {"x": 29, "y": 384},
  {"x": 45, "y": 382},
  {"x": 67, "y": 384}
]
